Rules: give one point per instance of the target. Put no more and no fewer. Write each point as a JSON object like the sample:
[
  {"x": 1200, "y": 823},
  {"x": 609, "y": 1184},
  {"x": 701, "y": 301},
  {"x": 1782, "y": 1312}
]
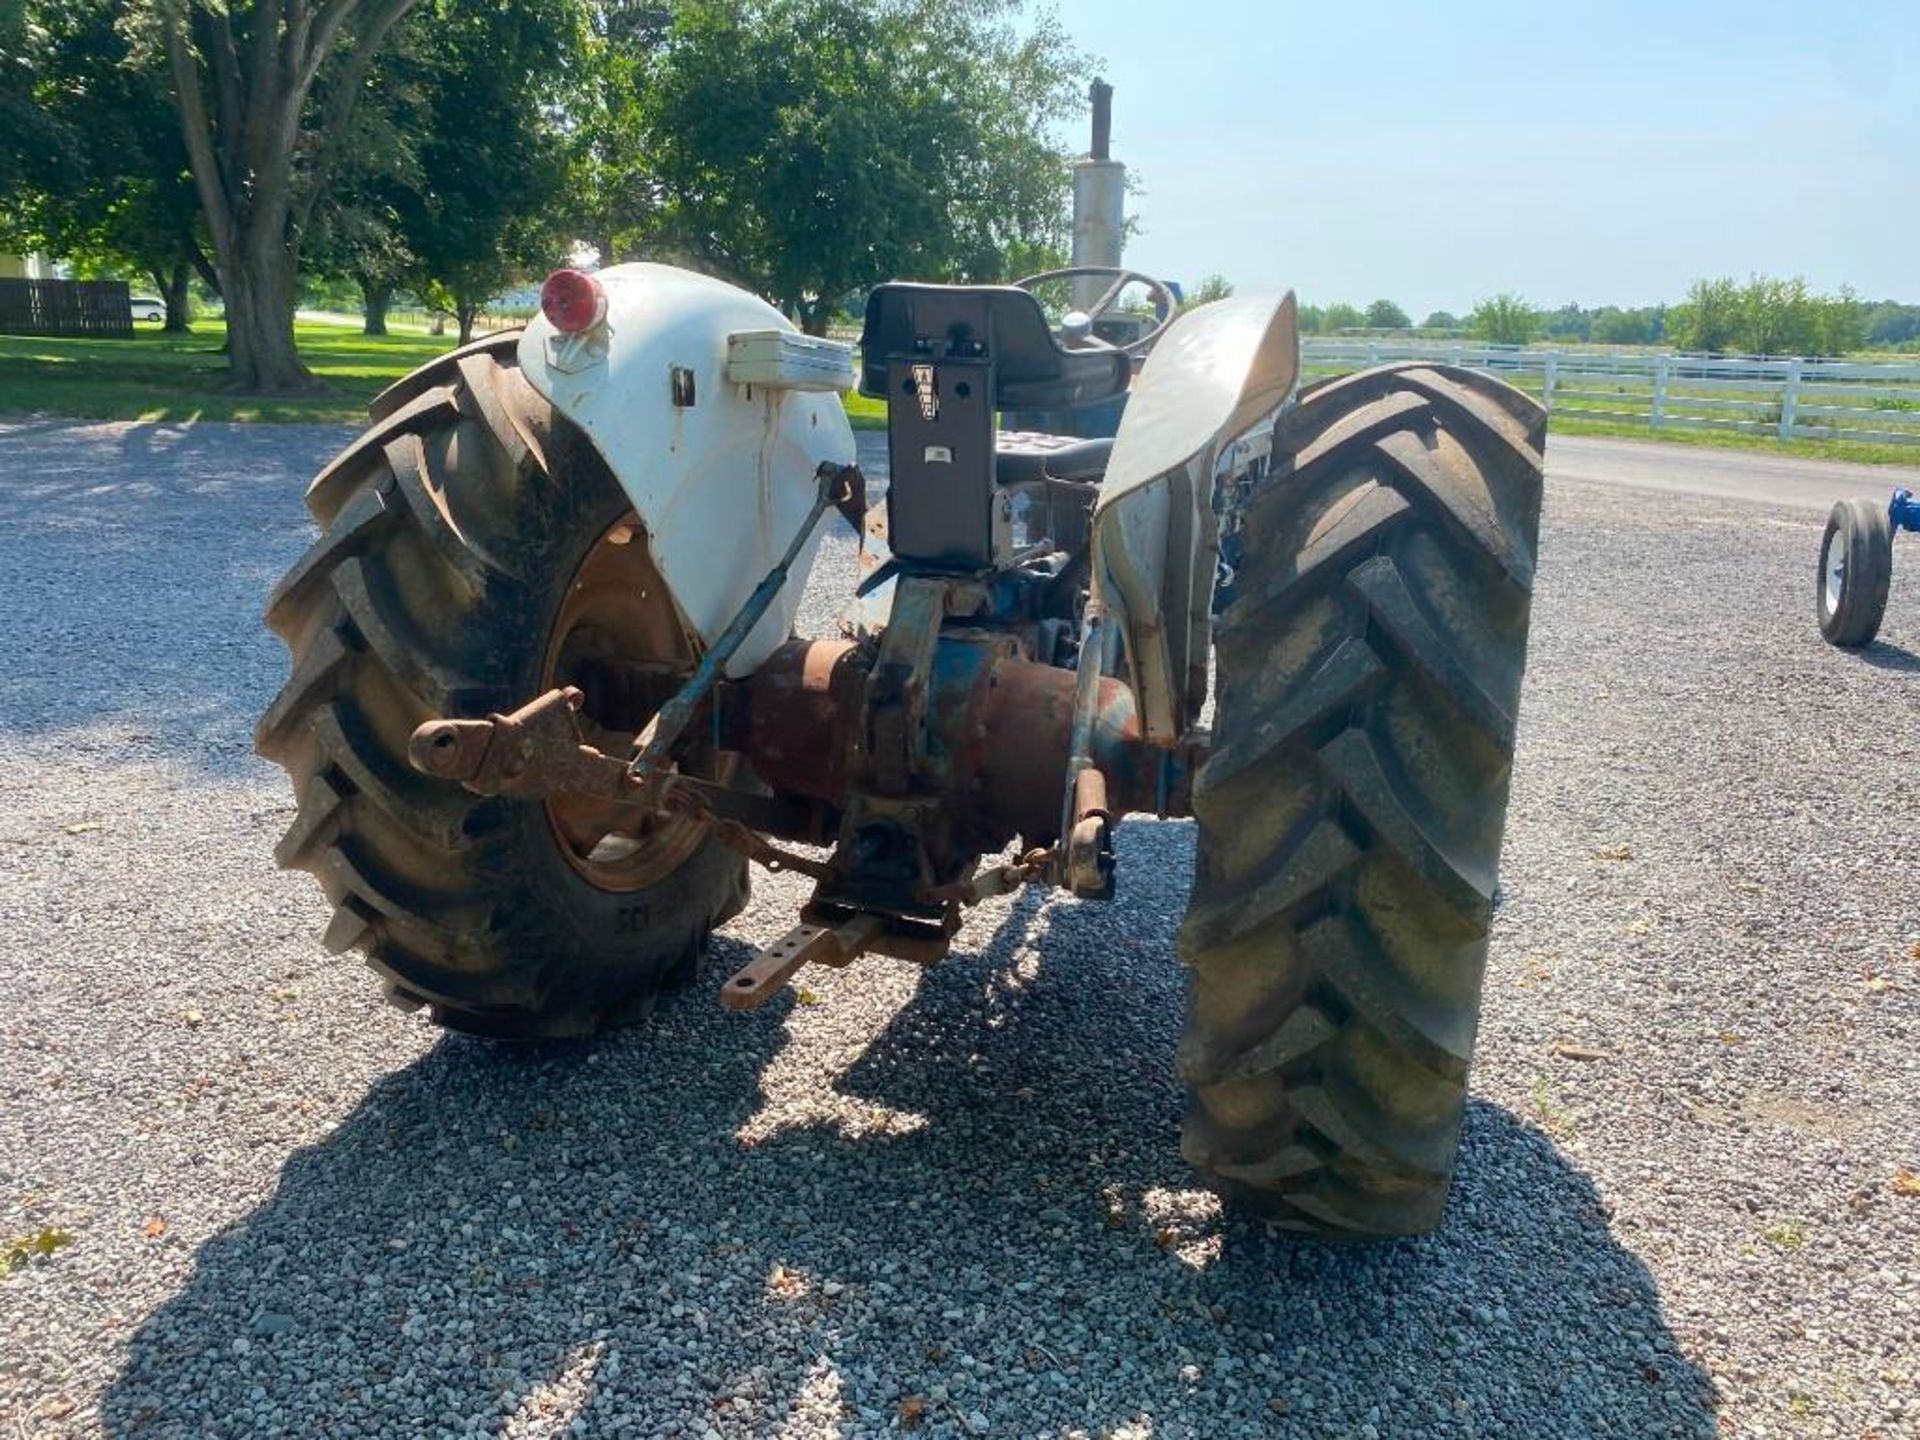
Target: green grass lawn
[
  {"x": 1857, "y": 452},
  {"x": 866, "y": 414},
  {"x": 181, "y": 377}
]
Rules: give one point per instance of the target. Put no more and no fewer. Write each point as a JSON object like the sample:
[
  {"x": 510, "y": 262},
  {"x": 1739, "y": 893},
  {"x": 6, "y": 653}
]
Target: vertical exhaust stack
[{"x": 1099, "y": 200}]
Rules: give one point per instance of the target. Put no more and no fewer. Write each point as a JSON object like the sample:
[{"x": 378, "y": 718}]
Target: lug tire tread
[
  {"x": 1370, "y": 656},
  {"x": 411, "y": 604}
]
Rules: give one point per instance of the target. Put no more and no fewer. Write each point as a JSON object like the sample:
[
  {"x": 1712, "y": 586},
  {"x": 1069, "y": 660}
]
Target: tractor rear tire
[
  {"x": 1370, "y": 649},
  {"x": 1856, "y": 571},
  {"x": 453, "y": 534}
]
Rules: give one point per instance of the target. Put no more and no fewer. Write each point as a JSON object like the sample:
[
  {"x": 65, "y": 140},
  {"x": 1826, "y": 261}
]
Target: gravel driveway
[{"x": 951, "y": 1202}]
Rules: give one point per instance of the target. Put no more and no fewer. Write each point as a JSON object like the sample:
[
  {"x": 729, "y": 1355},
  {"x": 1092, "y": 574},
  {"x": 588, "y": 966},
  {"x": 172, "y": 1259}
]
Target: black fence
[{"x": 66, "y": 307}]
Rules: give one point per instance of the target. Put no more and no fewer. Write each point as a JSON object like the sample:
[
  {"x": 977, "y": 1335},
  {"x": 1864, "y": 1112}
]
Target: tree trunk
[
  {"x": 375, "y": 296},
  {"x": 262, "y": 357},
  {"x": 203, "y": 267},
  {"x": 437, "y": 323},
  {"x": 465, "y": 311},
  {"x": 174, "y": 290},
  {"x": 242, "y": 78}
]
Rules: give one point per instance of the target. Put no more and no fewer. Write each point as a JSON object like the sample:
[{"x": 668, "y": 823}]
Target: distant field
[{"x": 175, "y": 378}]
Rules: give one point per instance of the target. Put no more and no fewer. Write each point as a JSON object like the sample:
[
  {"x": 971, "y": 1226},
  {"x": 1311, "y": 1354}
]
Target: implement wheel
[
  {"x": 1856, "y": 570},
  {"x": 474, "y": 553},
  {"x": 1370, "y": 652}
]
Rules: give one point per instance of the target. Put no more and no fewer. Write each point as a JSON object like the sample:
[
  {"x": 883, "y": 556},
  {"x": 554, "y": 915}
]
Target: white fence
[{"x": 1789, "y": 398}]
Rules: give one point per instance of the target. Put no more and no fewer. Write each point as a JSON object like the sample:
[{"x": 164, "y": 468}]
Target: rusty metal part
[
  {"x": 1087, "y": 862},
  {"x": 840, "y": 486},
  {"x": 1014, "y": 756},
  {"x": 921, "y": 942},
  {"x": 835, "y": 936},
  {"x": 793, "y": 707},
  {"x": 890, "y": 849},
  {"x": 1090, "y": 796},
  {"x": 895, "y": 708},
  {"x": 536, "y": 753},
  {"x": 789, "y": 817},
  {"x": 750, "y": 843},
  {"x": 773, "y": 968},
  {"x": 616, "y": 636},
  {"x": 1000, "y": 728},
  {"x": 533, "y": 753},
  {"x": 1096, "y": 633},
  {"x": 995, "y": 880}
]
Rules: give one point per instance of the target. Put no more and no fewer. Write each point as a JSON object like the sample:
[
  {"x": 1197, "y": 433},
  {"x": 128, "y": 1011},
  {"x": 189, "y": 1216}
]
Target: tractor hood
[{"x": 1217, "y": 373}]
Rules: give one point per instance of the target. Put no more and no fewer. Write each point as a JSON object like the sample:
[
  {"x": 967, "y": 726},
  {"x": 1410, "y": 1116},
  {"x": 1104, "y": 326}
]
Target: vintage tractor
[
  {"x": 547, "y": 705},
  {"x": 1856, "y": 565}
]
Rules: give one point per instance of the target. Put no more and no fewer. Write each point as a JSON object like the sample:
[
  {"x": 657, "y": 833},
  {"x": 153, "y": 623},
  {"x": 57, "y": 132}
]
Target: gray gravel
[{"x": 295, "y": 1211}]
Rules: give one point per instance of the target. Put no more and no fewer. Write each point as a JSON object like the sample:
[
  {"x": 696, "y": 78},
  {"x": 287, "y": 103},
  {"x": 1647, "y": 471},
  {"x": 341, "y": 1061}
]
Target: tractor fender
[
  {"x": 1216, "y": 373},
  {"x": 721, "y": 474}
]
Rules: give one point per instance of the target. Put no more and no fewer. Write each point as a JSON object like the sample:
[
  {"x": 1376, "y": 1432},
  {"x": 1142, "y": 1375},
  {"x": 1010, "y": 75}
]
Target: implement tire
[
  {"x": 1370, "y": 650},
  {"x": 1856, "y": 572},
  {"x": 474, "y": 552}
]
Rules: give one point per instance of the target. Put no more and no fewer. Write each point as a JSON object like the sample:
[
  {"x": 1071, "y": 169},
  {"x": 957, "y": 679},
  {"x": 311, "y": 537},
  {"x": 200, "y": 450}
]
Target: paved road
[
  {"x": 1787, "y": 482},
  {"x": 1751, "y": 476}
]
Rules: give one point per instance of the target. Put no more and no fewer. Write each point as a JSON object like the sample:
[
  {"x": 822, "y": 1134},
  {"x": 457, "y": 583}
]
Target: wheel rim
[
  {"x": 1835, "y": 566},
  {"x": 616, "y": 616}
]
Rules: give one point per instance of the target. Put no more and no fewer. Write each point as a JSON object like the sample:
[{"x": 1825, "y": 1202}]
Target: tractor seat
[{"x": 1001, "y": 323}]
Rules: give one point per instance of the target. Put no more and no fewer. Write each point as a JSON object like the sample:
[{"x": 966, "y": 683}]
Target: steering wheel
[{"x": 1076, "y": 329}]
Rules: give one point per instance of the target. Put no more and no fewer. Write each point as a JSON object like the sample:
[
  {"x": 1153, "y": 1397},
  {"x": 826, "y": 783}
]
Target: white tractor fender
[
  {"x": 1216, "y": 373},
  {"x": 721, "y": 473}
]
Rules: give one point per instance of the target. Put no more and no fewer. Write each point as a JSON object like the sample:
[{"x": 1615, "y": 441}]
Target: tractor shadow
[
  {"x": 138, "y": 560},
  {"x": 984, "y": 1206}
]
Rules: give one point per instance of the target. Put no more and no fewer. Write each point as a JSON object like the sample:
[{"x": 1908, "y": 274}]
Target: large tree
[
  {"x": 488, "y": 204},
  {"x": 1709, "y": 318},
  {"x": 356, "y": 236},
  {"x": 1339, "y": 317},
  {"x": 612, "y": 195},
  {"x": 354, "y": 232},
  {"x": 1615, "y": 326},
  {"x": 23, "y": 126},
  {"x": 1891, "y": 323},
  {"x": 99, "y": 175},
  {"x": 1504, "y": 319},
  {"x": 812, "y": 148},
  {"x": 266, "y": 91},
  {"x": 1385, "y": 315},
  {"x": 1767, "y": 316}
]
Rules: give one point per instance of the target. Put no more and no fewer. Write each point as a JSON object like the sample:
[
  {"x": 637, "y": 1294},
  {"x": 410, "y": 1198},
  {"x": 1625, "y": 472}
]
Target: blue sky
[{"x": 1435, "y": 153}]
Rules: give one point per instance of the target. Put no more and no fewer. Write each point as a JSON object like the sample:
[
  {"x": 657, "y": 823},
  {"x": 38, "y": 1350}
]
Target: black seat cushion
[{"x": 1032, "y": 370}]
